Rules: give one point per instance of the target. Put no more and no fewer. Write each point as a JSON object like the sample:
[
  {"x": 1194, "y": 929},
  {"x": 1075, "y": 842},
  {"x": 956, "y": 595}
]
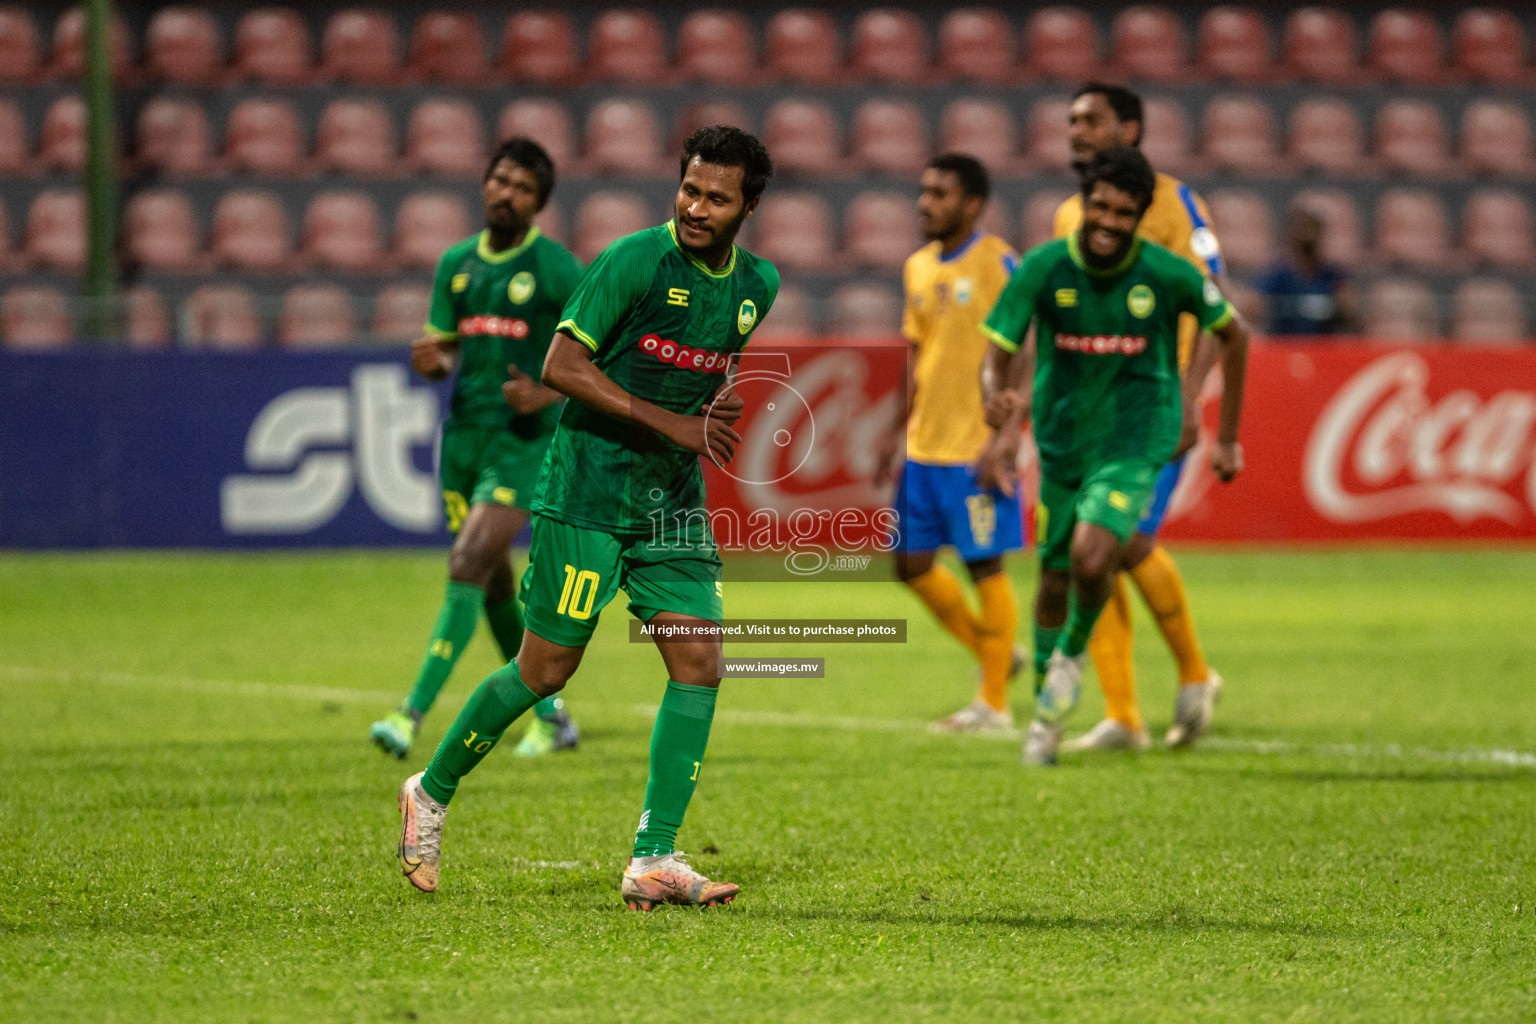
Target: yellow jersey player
[
  {"x": 951, "y": 284},
  {"x": 1103, "y": 116}
]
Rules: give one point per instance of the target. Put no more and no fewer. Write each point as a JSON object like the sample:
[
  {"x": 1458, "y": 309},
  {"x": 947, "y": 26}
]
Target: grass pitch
[{"x": 196, "y": 828}]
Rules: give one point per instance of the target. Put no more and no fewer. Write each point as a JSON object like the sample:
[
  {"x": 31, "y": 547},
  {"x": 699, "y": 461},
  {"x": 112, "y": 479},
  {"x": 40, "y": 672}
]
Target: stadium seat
[
  {"x": 1488, "y": 311},
  {"x": 984, "y": 129},
  {"x": 1404, "y": 46},
  {"x": 264, "y": 137},
  {"x": 1401, "y": 309},
  {"x": 1412, "y": 229},
  {"x": 889, "y": 137},
  {"x": 1238, "y": 134},
  {"x": 146, "y": 321},
  {"x": 538, "y": 48},
  {"x": 446, "y": 137},
  {"x": 1342, "y": 235},
  {"x": 1488, "y": 46},
  {"x": 361, "y": 46},
  {"x": 881, "y": 230},
  {"x": 400, "y": 312},
  {"x": 273, "y": 46},
  {"x": 15, "y": 147},
  {"x": 864, "y": 310},
  {"x": 794, "y": 231},
  {"x": 1061, "y": 44},
  {"x": 173, "y": 138},
  {"x": 1167, "y": 137},
  {"x": 1496, "y": 139},
  {"x": 448, "y": 46},
  {"x": 802, "y": 46},
  {"x": 605, "y": 216},
  {"x": 1496, "y": 230},
  {"x": 55, "y": 235},
  {"x": 792, "y": 318},
  {"x": 1045, "y": 135},
  {"x": 250, "y": 232},
  {"x": 623, "y": 137},
  {"x": 20, "y": 47},
  {"x": 1242, "y": 222},
  {"x": 546, "y": 122},
  {"x": 716, "y": 46},
  {"x": 315, "y": 316},
  {"x": 551, "y": 222},
  {"x": 183, "y": 45},
  {"x": 160, "y": 232},
  {"x": 221, "y": 317},
  {"x": 1037, "y": 224},
  {"x": 1326, "y": 135},
  {"x": 803, "y": 138},
  {"x": 702, "y": 115},
  {"x": 626, "y": 45},
  {"x": 67, "y": 59},
  {"x": 888, "y": 46},
  {"x": 1234, "y": 46},
  {"x": 1147, "y": 45},
  {"x": 1410, "y": 138},
  {"x": 61, "y": 140},
  {"x": 426, "y": 225},
  {"x": 35, "y": 317},
  {"x": 976, "y": 44},
  {"x": 997, "y": 219},
  {"x": 342, "y": 231},
  {"x": 356, "y": 137},
  {"x": 1319, "y": 47}
]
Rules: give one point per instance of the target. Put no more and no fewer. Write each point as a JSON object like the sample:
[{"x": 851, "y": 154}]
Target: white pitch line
[{"x": 223, "y": 687}]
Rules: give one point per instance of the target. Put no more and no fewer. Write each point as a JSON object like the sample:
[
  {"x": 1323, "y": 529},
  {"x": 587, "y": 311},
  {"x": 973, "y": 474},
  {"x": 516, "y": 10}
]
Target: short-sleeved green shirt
[
  {"x": 502, "y": 308},
  {"x": 663, "y": 326},
  {"x": 1106, "y": 382}
]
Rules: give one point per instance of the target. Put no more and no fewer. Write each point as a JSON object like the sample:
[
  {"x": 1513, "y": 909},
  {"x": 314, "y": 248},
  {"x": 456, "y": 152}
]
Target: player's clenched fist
[
  {"x": 726, "y": 407},
  {"x": 1226, "y": 460},
  {"x": 1004, "y": 405},
  {"x": 429, "y": 358}
]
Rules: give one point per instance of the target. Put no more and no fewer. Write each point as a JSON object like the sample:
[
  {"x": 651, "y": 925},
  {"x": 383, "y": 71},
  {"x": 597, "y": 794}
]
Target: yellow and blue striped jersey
[{"x": 948, "y": 299}]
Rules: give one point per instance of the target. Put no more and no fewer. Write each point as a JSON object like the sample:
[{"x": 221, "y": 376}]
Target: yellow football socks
[
  {"x": 1162, "y": 588},
  {"x": 994, "y": 637},
  {"x": 941, "y": 592},
  {"x": 1110, "y": 647}
]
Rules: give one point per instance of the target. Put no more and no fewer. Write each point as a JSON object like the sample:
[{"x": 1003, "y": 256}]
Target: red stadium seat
[
  {"x": 173, "y": 138},
  {"x": 1038, "y": 221},
  {"x": 183, "y": 45},
  {"x": 1412, "y": 229},
  {"x": 316, "y": 316},
  {"x": 1234, "y": 46},
  {"x": 67, "y": 60},
  {"x": 1326, "y": 135},
  {"x": 427, "y": 224},
  {"x": 1489, "y": 312},
  {"x": 1239, "y": 135},
  {"x": 361, "y": 46},
  {"x": 1147, "y": 45},
  {"x": 273, "y": 45},
  {"x": 446, "y": 137},
  {"x": 1045, "y": 136},
  {"x": 544, "y": 121},
  {"x": 791, "y": 319},
  {"x": 448, "y": 47},
  {"x": 717, "y": 47},
  {"x": 342, "y": 231},
  {"x": 864, "y": 311},
  {"x": 1167, "y": 137},
  {"x": 400, "y": 312},
  {"x": 539, "y": 48},
  {"x": 623, "y": 137},
  {"x": 1401, "y": 309},
  {"x": 997, "y": 219},
  {"x": 1405, "y": 46},
  {"x": 983, "y": 129},
  {"x": 1410, "y": 138},
  {"x": 888, "y": 45},
  {"x": 802, "y": 46},
  {"x": 702, "y": 115},
  {"x": 61, "y": 142},
  {"x": 1342, "y": 235},
  {"x": 976, "y": 44},
  {"x": 55, "y": 237},
  {"x": 1488, "y": 46},
  {"x": 1496, "y": 230},
  {"x": 15, "y": 148},
  {"x": 250, "y": 232},
  {"x": 35, "y": 317},
  {"x": 551, "y": 223},
  {"x": 264, "y": 137},
  {"x": 1496, "y": 139},
  {"x": 794, "y": 231},
  {"x": 889, "y": 137},
  {"x": 222, "y": 317},
  {"x": 803, "y": 138},
  {"x": 146, "y": 321},
  {"x": 626, "y": 45},
  {"x": 604, "y": 217},
  {"x": 1319, "y": 46},
  {"x": 356, "y": 137},
  {"x": 1242, "y": 222},
  {"x": 1061, "y": 44},
  {"x": 21, "y": 57},
  {"x": 881, "y": 230},
  {"x": 160, "y": 232}
]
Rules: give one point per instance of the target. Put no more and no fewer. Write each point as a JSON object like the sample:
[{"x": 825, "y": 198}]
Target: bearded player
[
  {"x": 1107, "y": 403},
  {"x": 495, "y": 303},
  {"x": 641, "y": 352}
]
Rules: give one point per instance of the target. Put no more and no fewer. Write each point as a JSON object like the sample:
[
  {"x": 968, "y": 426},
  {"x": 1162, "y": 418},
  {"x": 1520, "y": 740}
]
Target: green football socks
[
  {"x": 1046, "y": 638},
  {"x": 455, "y": 625},
  {"x": 506, "y": 621},
  {"x": 1080, "y": 622},
  {"x": 677, "y": 754},
  {"x": 496, "y": 703}
]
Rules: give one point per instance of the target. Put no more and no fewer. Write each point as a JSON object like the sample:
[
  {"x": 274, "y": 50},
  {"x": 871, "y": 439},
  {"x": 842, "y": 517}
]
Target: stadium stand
[
  {"x": 316, "y": 316},
  {"x": 889, "y": 137},
  {"x": 146, "y": 318},
  {"x": 221, "y": 317},
  {"x": 889, "y": 46},
  {"x": 1234, "y": 45},
  {"x": 361, "y": 46},
  {"x": 55, "y": 238},
  {"x": 795, "y": 230},
  {"x": 1412, "y": 230},
  {"x": 1488, "y": 46},
  {"x": 1410, "y": 139},
  {"x": 250, "y": 232},
  {"x": 1496, "y": 230},
  {"x": 1238, "y": 135},
  {"x": 1496, "y": 139},
  {"x": 61, "y": 143},
  {"x": 881, "y": 230},
  {"x": 1401, "y": 308},
  {"x": 546, "y": 121},
  {"x": 984, "y": 129},
  {"x": 173, "y": 137},
  {"x": 1326, "y": 135},
  {"x": 183, "y": 45},
  {"x": 1319, "y": 46},
  {"x": 427, "y": 224},
  {"x": 15, "y": 148},
  {"x": 160, "y": 232},
  {"x": 864, "y": 310},
  {"x": 976, "y": 44},
  {"x": 264, "y": 137},
  {"x": 273, "y": 46},
  {"x": 701, "y": 115},
  {"x": 356, "y": 137},
  {"x": 793, "y": 317},
  {"x": 1343, "y": 238},
  {"x": 1147, "y": 44},
  {"x": 1488, "y": 310},
  {"x": 35, "y": 317},
  {"x": 67, "y": 55},
  {"x": 1405, "y": 47},
  {"x": 1247, "y": 232},
  {"x": 803, "y": 139},
  {"x": 400, "y": 313},
  {"x": 624, "y": 137},
  {"x": 1038, "y": 221},
  {"x": 20, "y": 47},
  {"x": 538, "y": 48},
  {"x": 802, "y": 47},
  {"x": 448, "y": 47},
  {"x": 626, "y": 46},
  {"x": 1167, "y": 136},
  {"x": 716, "y": 47},
  {"x": 343, "y": 232},
  {"x": 605, "y": 216},
  {"x": 1045, "y": 136},
  {"x": 446, "y": 137},
  {"x": 1061, "y": 45}
]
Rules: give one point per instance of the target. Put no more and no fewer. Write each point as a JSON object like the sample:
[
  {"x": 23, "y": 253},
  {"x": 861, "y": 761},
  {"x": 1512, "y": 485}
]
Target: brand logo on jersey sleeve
[
  {"x": 521, "y": 287},
  {"x": 746, "y": 316},
  {"x": 1141, "y": 301},
  {"x": 697, "y": 359}
]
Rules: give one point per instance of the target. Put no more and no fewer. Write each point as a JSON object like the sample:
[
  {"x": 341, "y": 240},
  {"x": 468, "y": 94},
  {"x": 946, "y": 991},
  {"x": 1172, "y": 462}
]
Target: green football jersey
[
  {"x": 663, "y": 326},
  {"x": 1106, "y": 384},
  {"x": 502, "y": 307}
]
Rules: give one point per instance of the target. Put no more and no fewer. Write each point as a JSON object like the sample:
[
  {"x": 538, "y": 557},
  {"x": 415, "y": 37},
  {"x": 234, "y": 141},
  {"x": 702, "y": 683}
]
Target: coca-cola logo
[{"x": 1383, "y": 447}]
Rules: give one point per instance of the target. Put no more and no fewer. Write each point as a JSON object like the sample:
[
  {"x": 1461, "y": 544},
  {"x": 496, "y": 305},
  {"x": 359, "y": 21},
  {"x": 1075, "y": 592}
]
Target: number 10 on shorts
[{"x": 580, "y": 592}]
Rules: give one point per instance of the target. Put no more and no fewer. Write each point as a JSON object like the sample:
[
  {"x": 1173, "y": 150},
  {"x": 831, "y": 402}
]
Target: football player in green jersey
[
  {"x": 1108, "y": 411},
  {"x": 495, "y": 303},
  {"x": 642, "y": 351}
]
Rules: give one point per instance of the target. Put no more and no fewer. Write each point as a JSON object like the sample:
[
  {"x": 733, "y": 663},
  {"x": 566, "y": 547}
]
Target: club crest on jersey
[
  {"x": 683, "y": 357},
  {"x": 746, "y": 316},
  {"x": 963, "y": 291},
  {"x": 520, "y": 289},
  {"x": 1141, "y": 301}
]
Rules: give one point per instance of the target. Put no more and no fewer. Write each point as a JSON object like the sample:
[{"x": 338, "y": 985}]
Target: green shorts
[
  {"x": 1114, "y": 495},
  {"x": 482, "y": 465},
  {"x": 573, "y": 573}
]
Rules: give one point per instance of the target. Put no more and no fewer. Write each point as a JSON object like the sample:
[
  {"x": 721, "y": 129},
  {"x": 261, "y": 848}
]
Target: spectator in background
[{"x": 1303, "y": 294}]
